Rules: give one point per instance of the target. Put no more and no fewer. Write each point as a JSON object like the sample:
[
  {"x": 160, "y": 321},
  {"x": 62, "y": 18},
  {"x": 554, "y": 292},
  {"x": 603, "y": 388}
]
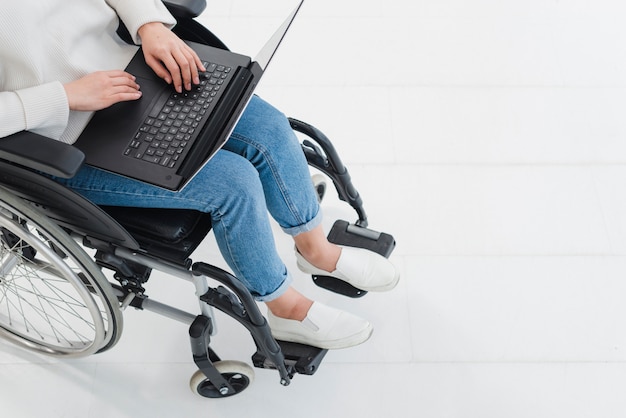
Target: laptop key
[
  {"x": 171, "y": 124},
  {"x": 151, "y": 158},
  {"x": 159, "y": 105}
]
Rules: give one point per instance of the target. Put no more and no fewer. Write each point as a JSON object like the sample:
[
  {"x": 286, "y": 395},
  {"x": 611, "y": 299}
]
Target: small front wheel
[
  {"x": 238, "y": 374},
  {"x": 319, "y": 183}
]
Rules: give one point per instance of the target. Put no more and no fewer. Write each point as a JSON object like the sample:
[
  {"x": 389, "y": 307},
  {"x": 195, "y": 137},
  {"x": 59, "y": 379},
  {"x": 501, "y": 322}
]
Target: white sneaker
[
  {"x": 363, "y": 269},
  {"x": 324, "y": 327}
]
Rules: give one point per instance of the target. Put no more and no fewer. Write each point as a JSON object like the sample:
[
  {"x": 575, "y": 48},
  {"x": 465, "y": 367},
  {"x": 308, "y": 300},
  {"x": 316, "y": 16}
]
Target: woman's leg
[
  {"x": 228, "y": 188},
  {"x": 238, "y": 192},
  {"x": 264, "y": 137},
  {"x": 290, "y": 305},
  {"x": 316, "y": 249}
]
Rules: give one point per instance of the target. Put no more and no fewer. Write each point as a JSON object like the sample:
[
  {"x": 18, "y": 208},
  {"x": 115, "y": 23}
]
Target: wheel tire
[
  {"x": 240, "y": 375},
  {"x": 319, "y": 183},
  {"x": 53, "y": 297}
]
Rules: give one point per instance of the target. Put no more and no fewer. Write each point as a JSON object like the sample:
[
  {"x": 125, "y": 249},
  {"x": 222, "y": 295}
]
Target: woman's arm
[
  {"x": 46, "y": 107},
  {"x": 136, "y": 13},
  {"x": 149, "y": 23},
  {"x": 38, "y": 108}
]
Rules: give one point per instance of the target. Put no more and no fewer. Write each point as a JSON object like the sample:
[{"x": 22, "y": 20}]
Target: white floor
[{"x": 488, "y": 136}]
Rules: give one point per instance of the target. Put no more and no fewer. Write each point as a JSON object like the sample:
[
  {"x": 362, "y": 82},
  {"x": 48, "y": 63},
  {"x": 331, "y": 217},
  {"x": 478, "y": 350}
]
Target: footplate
[
  {"x": 350, "y": 235},
  {"x": 302, "y": 359}
]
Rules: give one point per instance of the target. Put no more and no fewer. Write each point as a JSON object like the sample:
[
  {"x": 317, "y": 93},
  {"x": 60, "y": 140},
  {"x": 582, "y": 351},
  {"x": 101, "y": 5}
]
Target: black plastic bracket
[
  {"x": 234, "y": 300},
  {"x": 304, "y": 359},
  {"x": 204, "y": 357},
  {"x": 350, "y": 235},
  {"x": 322, "y": 155},
  {"x": 237, "y": 302}
]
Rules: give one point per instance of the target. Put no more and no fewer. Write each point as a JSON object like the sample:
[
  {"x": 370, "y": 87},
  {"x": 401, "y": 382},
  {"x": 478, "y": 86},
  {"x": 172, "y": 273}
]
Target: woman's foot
[
  {"x": 323, "y": 327},
  {"x": 363, "y": 269}
]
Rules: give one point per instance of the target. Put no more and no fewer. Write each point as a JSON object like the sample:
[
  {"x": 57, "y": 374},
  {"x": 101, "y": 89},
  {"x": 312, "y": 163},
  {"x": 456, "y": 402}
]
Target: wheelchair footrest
[
  {"x": 303, "y": 359},
  {"x": 350, "y": 235}
]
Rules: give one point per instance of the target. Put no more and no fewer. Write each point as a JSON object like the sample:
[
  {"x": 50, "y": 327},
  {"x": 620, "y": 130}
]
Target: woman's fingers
[
  {"x": 169, "y": 57},
  {"x": 101, "y": 89},
  {"x": 181, "y": 69}
]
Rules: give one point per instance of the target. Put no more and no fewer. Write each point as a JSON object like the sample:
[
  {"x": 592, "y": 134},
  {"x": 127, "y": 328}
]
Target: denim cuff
[
  {"x": 276, "y": 293},
  {"x": 296, "y": 230}
]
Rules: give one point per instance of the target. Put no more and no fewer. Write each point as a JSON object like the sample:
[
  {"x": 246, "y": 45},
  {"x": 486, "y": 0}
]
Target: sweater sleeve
[
  {"x": 135, "y": 13},
  {"x": 43, "y": 109}
]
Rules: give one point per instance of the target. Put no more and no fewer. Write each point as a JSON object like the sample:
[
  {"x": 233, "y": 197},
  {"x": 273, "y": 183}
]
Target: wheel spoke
[
  {"x": 52, "y": 295},
  {"x": 56, "y": 320}
]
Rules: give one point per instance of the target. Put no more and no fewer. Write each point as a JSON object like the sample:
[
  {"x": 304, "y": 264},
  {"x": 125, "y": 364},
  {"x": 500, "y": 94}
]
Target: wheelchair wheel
[
  {"x": 238, "y": 374},
  {"x": 53, "y": 297}
]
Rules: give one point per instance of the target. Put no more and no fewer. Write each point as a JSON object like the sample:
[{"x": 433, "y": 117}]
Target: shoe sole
[{"x": 382, "y": 288}]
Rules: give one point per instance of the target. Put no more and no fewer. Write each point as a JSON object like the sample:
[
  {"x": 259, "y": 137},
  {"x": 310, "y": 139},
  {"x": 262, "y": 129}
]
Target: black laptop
[{"x": 165, "y": 137}]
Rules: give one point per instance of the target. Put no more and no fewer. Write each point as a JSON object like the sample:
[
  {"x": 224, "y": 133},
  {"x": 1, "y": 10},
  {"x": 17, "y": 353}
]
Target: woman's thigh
[{"x": 225, "y": 177}]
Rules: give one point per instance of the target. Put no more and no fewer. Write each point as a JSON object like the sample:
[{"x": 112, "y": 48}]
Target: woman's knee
[
  {"x": 262, "y": 123},
  {"x": 227, "y": 182}
]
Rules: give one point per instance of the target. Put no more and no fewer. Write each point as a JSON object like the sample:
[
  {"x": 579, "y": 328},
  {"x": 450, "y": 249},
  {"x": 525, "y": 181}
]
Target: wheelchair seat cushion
[{"x": 169, "y": 233}]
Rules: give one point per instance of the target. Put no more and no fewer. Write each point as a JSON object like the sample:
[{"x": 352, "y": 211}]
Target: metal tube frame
[{"x": 199, "y": 282}]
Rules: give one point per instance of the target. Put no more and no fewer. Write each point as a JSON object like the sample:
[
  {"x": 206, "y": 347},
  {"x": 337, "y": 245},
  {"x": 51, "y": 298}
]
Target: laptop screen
[{"x": 264, "y": 56}]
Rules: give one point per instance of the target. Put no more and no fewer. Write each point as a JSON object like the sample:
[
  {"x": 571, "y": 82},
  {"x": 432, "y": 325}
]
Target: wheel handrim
[{"x": 43, "y": 303}]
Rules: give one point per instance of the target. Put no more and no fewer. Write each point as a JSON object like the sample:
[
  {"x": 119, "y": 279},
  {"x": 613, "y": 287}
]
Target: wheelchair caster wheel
[
  {"x": 238, "y": 374},
  {"x": 319, "y": 182}
]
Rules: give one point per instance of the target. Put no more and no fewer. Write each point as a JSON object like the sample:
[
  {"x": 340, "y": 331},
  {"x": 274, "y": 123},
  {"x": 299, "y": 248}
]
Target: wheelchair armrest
[
  {"x": 185, "y": 8},
  {"x": 41, "y": 153}
]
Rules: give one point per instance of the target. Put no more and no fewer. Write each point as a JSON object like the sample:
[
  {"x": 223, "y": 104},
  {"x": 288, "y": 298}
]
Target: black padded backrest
[
  {"x": 191, "y": 30},
  {"x": 187, "y": 28},
  {"x": 185, "y": 8}
]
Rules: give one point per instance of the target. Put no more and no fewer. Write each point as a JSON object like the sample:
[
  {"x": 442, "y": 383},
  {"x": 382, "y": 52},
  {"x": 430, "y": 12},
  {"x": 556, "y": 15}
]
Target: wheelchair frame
[{"x": 45, "y": 226}]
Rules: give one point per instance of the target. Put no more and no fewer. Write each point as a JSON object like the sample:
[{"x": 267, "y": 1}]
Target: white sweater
[{"x": 45, "y": 43}]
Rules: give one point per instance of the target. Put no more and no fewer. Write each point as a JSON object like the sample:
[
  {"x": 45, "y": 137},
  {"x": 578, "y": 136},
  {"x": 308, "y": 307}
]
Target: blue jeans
[{"x": 261, "y": 168}]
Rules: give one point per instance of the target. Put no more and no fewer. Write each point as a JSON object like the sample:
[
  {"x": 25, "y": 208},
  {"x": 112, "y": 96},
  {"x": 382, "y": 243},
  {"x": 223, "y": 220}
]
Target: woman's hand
[
  {"x": 169, "y": 57},
  {"x": 101, "y": 89}
]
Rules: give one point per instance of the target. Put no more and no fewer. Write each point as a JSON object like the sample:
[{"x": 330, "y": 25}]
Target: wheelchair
[{"x": 54, "y": 245}]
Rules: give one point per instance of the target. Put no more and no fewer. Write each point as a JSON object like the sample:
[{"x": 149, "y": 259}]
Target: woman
[{"x": 60, "y": 60}]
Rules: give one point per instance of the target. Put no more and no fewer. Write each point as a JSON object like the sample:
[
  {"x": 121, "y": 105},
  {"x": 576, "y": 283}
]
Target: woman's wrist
[{"x": 146, "y": 28}]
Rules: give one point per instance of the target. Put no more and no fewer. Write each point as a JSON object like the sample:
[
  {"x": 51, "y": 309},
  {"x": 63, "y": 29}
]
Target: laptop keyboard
[{"x": 169, "y": 128}]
